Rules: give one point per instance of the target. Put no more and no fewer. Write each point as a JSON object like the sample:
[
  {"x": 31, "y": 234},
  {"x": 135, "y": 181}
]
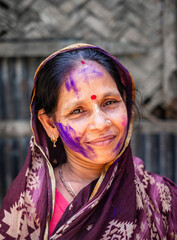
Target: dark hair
[{"x": 54, "y": 71}]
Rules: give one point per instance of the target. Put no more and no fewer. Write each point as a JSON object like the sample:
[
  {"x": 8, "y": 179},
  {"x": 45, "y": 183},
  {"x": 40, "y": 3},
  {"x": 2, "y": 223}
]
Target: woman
[{"x": 79, "y": 180}]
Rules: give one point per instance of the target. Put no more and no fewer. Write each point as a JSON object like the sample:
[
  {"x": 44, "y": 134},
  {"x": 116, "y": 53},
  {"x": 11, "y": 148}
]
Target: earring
[
  {"x": 54, "y": 140},
  {"x": 108, "y": 122}
]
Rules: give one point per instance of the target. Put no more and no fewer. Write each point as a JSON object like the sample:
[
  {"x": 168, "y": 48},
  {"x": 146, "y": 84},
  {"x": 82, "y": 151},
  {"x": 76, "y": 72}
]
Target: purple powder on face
[
  {"x": 98, "y": 73},
  {"x": 84, "y": 72},
  {"x": 67, "y": 85},
  {"x": 73, "y": 85},
  {"x": 70, "y": 138},
  {"x": 88, "y": 70},
  {"x": 117, "y": 147},
  {"x": 70, "y": 84}
]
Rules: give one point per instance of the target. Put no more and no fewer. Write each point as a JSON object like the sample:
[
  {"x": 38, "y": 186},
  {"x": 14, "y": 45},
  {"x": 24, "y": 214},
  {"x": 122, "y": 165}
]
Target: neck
[{"x": 81, "y": 171}]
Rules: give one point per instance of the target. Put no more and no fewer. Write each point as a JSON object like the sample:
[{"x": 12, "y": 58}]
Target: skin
[
  {"x": 80, "y": 121},
  {"x": 124, "y": 120}
]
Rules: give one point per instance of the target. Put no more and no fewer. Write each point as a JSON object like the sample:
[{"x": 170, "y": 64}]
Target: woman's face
[{"x": 91, "y": 115}]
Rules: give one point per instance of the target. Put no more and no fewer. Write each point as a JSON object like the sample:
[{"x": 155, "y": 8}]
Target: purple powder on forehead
[
  {"x": 98, "y": 73},
  {"x": 87, "y": 70},
  {"x": 70, "y": 84},
  {"x": 67, "y": 85},
  {"x": 83, "y": 71},
  {"x": 70, "y": 138}
]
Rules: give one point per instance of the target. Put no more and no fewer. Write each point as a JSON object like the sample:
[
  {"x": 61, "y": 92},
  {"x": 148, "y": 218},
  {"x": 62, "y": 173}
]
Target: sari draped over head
[{"x": 126, "y": 202}]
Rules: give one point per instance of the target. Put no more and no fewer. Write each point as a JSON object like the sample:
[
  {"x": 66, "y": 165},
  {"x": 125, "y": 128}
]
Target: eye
[
  {"x": 77, "y": 111},
  {"x": 110, "y": 102}
]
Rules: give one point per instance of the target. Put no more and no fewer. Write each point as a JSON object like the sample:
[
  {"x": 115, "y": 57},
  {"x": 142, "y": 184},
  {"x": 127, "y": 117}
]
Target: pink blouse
[{"x": 59, "y": 208}]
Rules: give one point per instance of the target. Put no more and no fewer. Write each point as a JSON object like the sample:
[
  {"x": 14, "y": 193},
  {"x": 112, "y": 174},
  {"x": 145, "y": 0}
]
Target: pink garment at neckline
[{"x": 59, "y": 208}]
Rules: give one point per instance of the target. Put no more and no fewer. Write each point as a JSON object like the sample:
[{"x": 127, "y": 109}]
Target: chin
[{"x": 105, "y": 158}]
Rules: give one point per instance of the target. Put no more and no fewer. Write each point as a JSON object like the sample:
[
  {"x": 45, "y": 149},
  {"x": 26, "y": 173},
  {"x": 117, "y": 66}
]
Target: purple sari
[{"x": 126, "y": 202}]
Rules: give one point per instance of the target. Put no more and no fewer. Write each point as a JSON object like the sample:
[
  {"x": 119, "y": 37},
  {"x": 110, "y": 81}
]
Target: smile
[{"x": 101, "y": 142}]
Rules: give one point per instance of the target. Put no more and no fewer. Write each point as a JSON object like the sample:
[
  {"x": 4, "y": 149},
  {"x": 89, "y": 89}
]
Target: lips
[{"x": 102, "y": 141}]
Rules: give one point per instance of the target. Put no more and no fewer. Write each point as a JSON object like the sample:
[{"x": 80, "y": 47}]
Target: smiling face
[{"x": 91, "y": 117}]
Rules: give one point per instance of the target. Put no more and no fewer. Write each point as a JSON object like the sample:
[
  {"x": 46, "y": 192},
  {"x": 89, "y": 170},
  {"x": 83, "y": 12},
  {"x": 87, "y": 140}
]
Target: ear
[{"x": 48, "y": 124}]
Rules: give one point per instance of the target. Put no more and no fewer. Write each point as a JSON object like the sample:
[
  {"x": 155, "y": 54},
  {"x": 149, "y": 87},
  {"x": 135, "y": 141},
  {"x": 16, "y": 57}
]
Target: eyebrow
[{"x": 81, "y": 102}]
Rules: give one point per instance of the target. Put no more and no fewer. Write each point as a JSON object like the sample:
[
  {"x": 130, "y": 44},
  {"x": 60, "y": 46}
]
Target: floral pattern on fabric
[
  {"x": 23, "y": 210},
  {"x": 165, "y": 197},
  {"x": 118, "y": 230},
  {"x": 27, "y": 225},
  {"x": 153, "y": 197}
]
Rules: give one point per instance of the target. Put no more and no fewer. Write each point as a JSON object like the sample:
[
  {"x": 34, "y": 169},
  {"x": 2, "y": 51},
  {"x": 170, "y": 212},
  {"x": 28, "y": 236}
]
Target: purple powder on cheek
[
  {"x": 117, "y": 147},
  {"x": 124, "y": 120},
  {"x": 70, "y": 138}
]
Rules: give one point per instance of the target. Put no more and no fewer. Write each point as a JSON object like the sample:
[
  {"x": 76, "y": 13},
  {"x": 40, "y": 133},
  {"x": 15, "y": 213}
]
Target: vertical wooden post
[{"x": 169, "y": 46}]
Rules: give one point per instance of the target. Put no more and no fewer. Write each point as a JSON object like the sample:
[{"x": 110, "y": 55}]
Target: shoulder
[
  {"x": 152, "y": 180},
  {"x": 157, "y": 191}
]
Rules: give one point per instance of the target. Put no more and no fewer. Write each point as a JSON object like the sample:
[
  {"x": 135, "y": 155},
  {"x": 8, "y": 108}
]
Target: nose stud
[{"x": 108, "y": 122}]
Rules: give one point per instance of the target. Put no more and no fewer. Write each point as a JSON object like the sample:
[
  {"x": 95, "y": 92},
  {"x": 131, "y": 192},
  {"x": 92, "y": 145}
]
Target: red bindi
[
  {"x": 93, "y": 97},
  {"x": 82, "y": 62}
]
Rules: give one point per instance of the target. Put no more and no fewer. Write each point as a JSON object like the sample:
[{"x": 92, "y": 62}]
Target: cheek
[
  {"x": 68, "y": 135},
  {"x": 123, "y": 130},
  {"x": 124, "y": 120},
  {"x": 71, "y": 139},
  {"x": 119, "y": 116},
  {"x": 122, "y": 116}
]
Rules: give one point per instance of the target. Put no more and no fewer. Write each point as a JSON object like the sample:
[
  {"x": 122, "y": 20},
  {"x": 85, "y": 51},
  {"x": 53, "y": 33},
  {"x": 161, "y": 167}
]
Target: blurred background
[{"x": 141, "y": 34}]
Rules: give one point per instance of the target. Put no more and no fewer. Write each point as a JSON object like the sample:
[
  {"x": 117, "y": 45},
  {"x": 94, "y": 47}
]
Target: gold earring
[{"x": 54, "y": 140}]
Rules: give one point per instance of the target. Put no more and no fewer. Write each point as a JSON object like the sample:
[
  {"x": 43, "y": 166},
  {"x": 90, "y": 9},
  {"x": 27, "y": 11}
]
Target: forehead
[
  {"x": 84, "y": 73},
  {"x": 85, "y": 80}
]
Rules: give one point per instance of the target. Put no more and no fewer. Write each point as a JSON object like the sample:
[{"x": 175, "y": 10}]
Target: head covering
[{"x": 126, "y": 202}]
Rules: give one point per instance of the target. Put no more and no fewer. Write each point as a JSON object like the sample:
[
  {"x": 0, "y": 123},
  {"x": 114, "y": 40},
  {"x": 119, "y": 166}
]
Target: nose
[{"x": 98, "y": 119}]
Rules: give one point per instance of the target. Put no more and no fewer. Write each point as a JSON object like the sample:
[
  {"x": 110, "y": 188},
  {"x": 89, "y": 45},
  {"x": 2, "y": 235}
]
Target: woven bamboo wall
[{"x": 141, "y": 33}]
